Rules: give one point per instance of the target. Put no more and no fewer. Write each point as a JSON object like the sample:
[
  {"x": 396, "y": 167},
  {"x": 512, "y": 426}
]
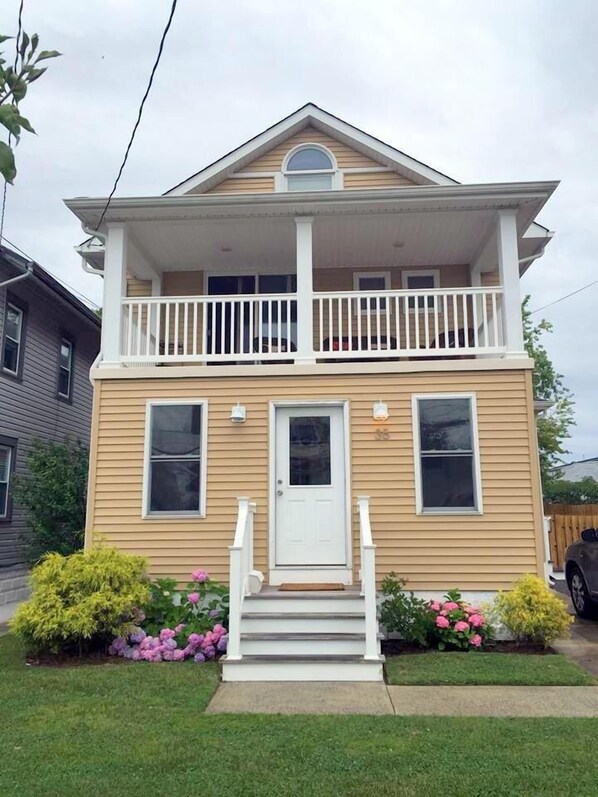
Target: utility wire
[
  {"x": 18, "y": 41},
  {"x": 58, "y": 279},
  {"x": 556, "y": 301},
  {"x": 141, "y": 106}
]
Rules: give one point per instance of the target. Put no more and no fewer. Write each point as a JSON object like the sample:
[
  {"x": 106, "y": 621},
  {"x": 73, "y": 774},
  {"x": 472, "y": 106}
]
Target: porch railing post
[
  {"x": 305, "y": 333},
  {"x": 115, "y": 288}
]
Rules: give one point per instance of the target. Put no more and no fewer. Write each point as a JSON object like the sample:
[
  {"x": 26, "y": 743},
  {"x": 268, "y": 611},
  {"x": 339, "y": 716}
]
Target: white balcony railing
[
  {"x": 346, "y": 325},
  {"x": 241, "y": 574},
  {"x": 368, "y": 578}
]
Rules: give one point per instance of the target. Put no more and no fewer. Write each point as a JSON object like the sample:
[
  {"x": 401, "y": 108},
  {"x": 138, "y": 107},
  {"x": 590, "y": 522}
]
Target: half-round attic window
[
  {"x": 309, "y": 158},
  {"x": 309, "y": 168}
]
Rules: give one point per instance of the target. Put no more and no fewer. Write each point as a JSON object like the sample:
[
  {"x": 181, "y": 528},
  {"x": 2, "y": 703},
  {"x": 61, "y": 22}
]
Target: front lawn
[
  {"x": 137, "y": 729},
  {"x": 485, "y": 669}
]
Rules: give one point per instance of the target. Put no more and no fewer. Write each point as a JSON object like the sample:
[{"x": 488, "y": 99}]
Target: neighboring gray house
[
  {"x": 48, "y": 341},
  {"x": 577, "y": 471}
]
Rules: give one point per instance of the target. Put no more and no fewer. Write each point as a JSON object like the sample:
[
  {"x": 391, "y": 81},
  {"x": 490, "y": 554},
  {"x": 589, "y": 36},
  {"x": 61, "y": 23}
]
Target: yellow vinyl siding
[
  {"x": 243, "y": 185},
  {"x": 137, "y": 287},
  {"x": 433, "y": 552},
  {"x": 375, "y": 180}
]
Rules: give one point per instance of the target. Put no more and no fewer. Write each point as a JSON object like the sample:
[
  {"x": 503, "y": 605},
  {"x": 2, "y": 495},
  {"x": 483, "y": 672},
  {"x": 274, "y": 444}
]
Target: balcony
[{"x": 345, "y": 326}]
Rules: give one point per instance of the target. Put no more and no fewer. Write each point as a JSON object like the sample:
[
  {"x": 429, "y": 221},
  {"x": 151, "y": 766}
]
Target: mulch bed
[
  {"x": 72, "y": 660},
  {"x": 397, "y": 647}
]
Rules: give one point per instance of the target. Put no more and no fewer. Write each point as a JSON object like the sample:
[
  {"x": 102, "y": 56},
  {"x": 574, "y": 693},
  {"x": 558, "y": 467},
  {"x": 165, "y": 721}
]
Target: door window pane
[{"x": 309, "y": 451}]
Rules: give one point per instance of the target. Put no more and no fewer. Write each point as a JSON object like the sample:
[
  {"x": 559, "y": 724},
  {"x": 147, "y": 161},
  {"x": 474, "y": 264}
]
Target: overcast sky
[{"x": 483, "y": 91}]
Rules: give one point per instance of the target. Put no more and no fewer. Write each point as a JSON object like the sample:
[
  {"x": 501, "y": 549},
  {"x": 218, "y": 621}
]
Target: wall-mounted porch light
[
  {"x": 238, "y": 413},
  {"x": 380, "y": 412}
]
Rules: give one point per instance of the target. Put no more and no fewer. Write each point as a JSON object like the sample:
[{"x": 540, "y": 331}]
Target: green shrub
[
  {"x": 531, "y": 612},
  {"x": 404, "y": 614},
  {"x": 80, "y": 602},
  {"x": 53, "y": 495}
]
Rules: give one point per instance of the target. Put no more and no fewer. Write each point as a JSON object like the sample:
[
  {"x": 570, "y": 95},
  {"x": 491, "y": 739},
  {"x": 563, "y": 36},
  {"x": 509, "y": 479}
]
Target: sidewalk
[
  {"x": 6, "y": 613},
  {"x": 377, "y": 699}
]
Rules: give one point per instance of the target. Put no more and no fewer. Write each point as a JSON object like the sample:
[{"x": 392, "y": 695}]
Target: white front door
[{"x": 310, "y": 485}]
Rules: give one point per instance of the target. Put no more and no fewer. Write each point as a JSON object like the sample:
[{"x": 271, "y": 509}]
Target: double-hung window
[
  {"x": 65, "y": 369},
  {"x": 447, "y": 458},
  {"x": 7, "y": 463},
  {"x": 421, "y": 281},
  {"x": 13, "y": 338},
  {"x": 174, "y": 481}
]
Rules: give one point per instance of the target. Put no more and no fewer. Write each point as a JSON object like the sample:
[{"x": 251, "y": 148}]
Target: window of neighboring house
[
  {"x": 421, "y": 281},
  {"x": 175, "y": 466},
  {"x": 65, "y": 369},
  {"x": 310, "y": 168},
  {"x": 13, "y": 340},
  {"x": 372, "y": 281},
  {"x": 7, "y": 462},
  {"x": 447, "y": 458}
]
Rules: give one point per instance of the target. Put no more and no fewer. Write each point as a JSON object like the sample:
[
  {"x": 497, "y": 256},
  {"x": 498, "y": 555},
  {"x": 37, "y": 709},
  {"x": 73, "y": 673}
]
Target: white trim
[
  {"x": 299, "y": 575},
  {"x": 203, "y": 474},
  {"x": 309, "y": 145},
  {"x": 69, "y": 343},
  {"x": 7, "y": 482},
  {"x": 419, "y": 508},
  {"x": 19, "y": 341},
  {"x": 303, "y": 117},
  {"x": 422, "y": 272}
]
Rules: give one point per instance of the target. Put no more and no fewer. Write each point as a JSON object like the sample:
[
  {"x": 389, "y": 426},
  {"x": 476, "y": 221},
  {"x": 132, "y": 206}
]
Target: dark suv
[{"x": 581, "y": 571}]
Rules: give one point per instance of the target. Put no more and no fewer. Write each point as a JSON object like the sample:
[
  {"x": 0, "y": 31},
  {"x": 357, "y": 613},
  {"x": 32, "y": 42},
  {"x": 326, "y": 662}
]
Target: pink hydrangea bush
[
  {"x": 457, "y": 625},
  {"x": 171, "y": 644},
  {"x": 179, "y": 624}
]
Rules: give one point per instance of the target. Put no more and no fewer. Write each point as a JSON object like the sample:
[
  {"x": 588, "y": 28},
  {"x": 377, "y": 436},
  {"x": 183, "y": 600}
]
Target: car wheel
[{"x": 580, "y": 596}]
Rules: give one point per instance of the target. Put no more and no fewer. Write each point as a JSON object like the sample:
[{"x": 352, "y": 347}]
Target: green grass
[
  {"x": 137, "y": 729},
  {"x": 485, "y": 669}
]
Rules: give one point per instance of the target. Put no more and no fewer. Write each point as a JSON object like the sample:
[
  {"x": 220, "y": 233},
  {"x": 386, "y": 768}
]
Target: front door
[{"x": 310, "y": 485}]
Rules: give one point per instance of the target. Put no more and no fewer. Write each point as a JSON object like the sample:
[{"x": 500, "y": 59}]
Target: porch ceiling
[{"x": 422, "y": 226}]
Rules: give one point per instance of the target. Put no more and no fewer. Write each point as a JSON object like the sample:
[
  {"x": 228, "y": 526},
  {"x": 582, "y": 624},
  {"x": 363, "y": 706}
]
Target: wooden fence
[{"x": 567, "y": 521}]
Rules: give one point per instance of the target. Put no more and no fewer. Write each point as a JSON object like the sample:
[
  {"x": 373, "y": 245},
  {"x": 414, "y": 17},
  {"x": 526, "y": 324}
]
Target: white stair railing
[
  {"x": 368, "y": 578},
  {"x": 243, "y": 578}
]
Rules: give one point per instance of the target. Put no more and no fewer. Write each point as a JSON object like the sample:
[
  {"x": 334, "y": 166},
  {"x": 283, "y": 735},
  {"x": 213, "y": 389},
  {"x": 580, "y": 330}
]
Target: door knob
[{"x": 279, "y": 492}]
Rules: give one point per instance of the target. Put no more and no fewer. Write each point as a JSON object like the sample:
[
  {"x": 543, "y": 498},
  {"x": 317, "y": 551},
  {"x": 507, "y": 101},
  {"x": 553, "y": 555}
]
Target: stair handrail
[
  {"x": 368, "y": 578},
  {"x": 241, "y": 566}
]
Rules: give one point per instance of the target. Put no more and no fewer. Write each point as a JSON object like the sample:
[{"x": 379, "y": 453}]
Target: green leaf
[
  {"x": 34, "y": 43},
  {"x": 5, "y": 38},
  {"x": 47, "y": 54},
  {"x": 7, "y": 163},
  {"x": 9, "y": 118},
  {"x": 19, "y": 89},
  {"x": 26, "y": 125},
  {"x": 24, "y": 44},
  {"x": 33, "y": 74}
]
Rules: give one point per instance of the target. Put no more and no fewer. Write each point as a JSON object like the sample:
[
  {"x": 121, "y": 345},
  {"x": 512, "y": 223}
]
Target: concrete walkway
[
  {"x": 379, "y": 699},
  {"x": 6, "y": 613}
]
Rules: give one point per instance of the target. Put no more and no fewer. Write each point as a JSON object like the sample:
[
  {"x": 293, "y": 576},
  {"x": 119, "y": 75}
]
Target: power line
[
  {"x": 556, "y": 301},
  {"x": 58, "y": 279},
  {"x": 141, "y": 106},
  {"x": 17, "y": 43}
]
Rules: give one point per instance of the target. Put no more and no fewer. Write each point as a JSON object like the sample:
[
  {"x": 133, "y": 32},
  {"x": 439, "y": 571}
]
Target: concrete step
[
  {"x": 302, "y": 668},
  {"x": 302, "y": 623}
]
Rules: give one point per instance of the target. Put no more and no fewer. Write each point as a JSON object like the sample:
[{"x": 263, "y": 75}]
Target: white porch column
[
  {"x": 508, "y": 269},
  {"x": 115, "y": 287},
  {"x": 305, "y": 284}
]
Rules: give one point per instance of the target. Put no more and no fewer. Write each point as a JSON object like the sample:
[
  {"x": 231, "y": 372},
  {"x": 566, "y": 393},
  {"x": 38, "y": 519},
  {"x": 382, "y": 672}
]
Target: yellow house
[{"x": 313, "y": 372}]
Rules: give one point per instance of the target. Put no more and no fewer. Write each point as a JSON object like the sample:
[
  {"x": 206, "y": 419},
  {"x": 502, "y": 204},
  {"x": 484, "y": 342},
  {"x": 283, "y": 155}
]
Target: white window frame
[
  {"x": 5, "y": 514},
  {"x": 358, "y": 275},
  {"x": 337, "y": 177},
  {"x": 478, "y": 509},
  {"x": 429, "y": 272},
  {"x": 203, "y": 473},
  {"x": 66, "y": 341},
  {"x": 6, "y": 336}
]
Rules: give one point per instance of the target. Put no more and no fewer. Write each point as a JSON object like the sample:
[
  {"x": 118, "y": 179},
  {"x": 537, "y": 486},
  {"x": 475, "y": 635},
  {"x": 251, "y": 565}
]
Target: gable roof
[
  {"x": 20, "y": 264},
  {"x": 311, "y": 115}
]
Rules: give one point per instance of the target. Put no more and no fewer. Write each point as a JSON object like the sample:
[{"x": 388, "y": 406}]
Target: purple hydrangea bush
[{"x": 178, "y": 624}]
